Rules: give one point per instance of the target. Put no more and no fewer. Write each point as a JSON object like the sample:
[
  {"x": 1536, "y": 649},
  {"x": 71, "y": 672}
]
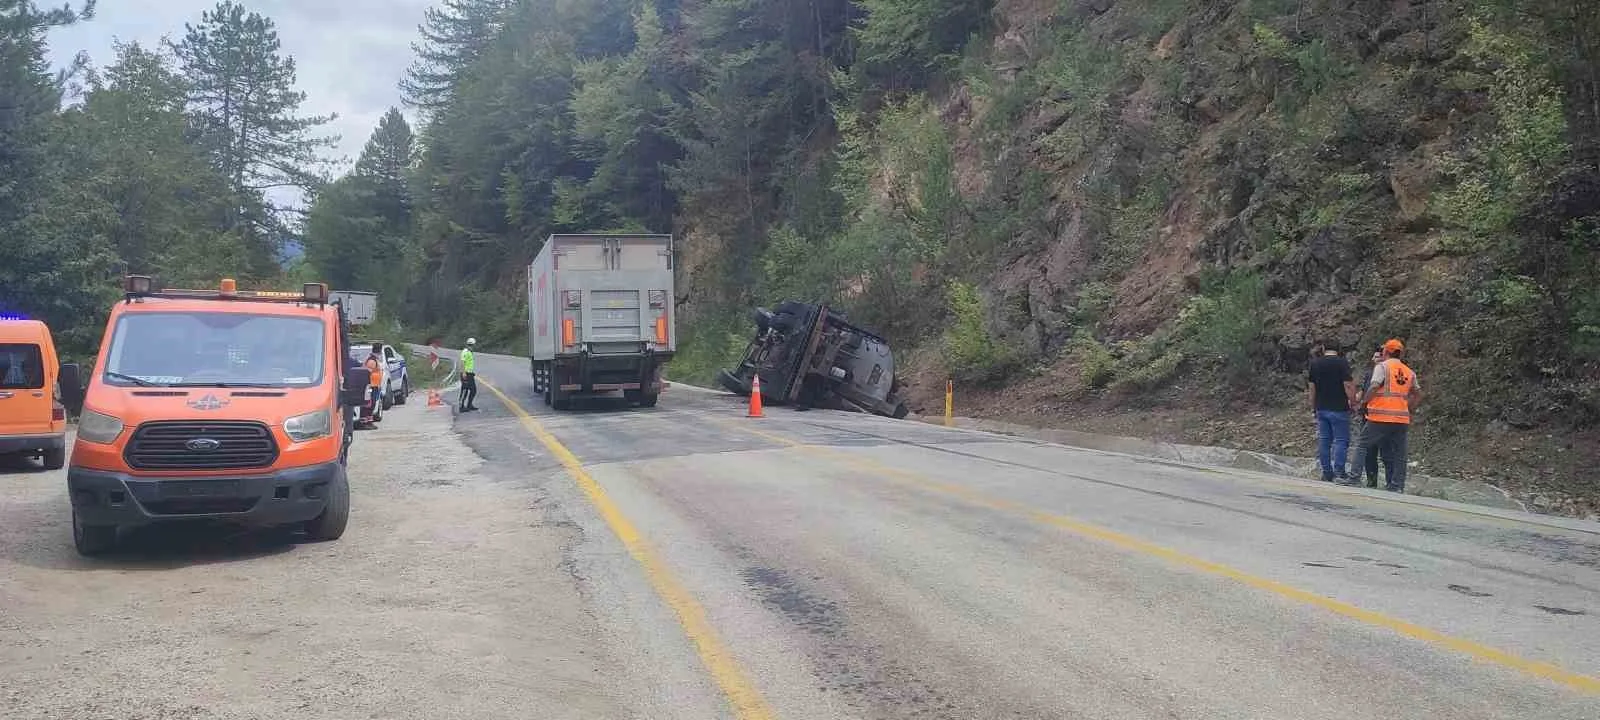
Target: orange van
[
  {"x": 35, "y": 393},
  {"x": 220, "y": 405}
]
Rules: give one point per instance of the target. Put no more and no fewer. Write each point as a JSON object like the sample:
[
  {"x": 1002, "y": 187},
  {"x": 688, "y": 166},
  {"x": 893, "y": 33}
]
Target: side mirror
[
  {"x": 70, "y": 379},
  {"x": 354, "y": 392}
]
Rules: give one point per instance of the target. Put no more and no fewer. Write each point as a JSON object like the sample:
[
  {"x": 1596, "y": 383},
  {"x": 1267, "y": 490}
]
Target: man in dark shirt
[{"x": 1331, "y": 390}]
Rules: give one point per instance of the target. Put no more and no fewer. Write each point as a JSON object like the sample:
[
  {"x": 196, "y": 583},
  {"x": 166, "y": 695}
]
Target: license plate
[{"x": 200, "y": 488}]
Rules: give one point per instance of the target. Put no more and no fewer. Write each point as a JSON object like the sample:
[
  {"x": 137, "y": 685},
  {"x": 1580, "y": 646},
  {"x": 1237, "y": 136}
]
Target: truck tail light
[
  {"x": 658, "y": 298},
  {"x": 58, "y": 414},
  {"x": 661, "y": 330},
  {"x": 569, "y": 335},
  {"x": 574, "y": 298}
]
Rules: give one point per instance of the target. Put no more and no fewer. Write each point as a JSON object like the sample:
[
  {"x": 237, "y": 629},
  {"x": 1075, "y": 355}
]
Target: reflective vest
[
  {"x": 469, "y": 363},
  {"x": 374, "y": 371},
  {"x": 1389, "y": 402}
]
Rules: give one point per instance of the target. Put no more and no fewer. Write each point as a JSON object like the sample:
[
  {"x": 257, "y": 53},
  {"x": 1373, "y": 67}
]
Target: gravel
[{"x": 446, "y": 598}]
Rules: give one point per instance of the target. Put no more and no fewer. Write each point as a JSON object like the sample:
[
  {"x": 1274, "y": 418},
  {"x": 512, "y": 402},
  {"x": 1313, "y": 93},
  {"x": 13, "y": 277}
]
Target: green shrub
[
  {"x": 1228, "y": 322},
  {"x": 970, "y": 352},
  {"x": 1149, "y": 376},
  {"x": 1097, "y": 367},
  {"x": 1505, "y": 176},
  {"x": 707, "y": 345}
]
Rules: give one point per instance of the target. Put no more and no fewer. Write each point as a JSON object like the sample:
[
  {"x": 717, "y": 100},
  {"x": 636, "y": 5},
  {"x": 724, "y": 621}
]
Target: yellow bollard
[{"x": 949, "y": 403}]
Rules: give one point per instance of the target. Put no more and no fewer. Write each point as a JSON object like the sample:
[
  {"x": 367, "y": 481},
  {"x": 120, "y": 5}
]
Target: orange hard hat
[{"x": 1394, "y": 345}]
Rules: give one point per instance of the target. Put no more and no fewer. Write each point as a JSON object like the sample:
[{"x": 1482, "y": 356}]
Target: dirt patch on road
[{"x": 445, "y": 599}]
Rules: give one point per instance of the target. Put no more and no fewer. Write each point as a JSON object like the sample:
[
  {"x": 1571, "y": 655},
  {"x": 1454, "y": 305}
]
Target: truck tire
[
  {"x": 54, "y": 458},
  {"x": 649, "y": 400},
  {"x": 335, "y": 515},
  {"x": 901, "y": 411},
  {"x": 93, "y": 540},
  {"x": 732, "y": 384}
]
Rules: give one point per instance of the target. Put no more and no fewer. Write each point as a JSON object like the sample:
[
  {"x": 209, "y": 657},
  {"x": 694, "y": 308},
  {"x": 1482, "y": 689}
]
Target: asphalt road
[
  {"x": 687, "y": 562},
  {"x": 833, "y": 565}
]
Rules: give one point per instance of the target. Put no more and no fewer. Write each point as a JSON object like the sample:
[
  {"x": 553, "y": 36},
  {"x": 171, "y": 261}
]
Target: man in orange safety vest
[
  {"x": 1391, "y": 393},
  {"x": 374, "y": 365}
]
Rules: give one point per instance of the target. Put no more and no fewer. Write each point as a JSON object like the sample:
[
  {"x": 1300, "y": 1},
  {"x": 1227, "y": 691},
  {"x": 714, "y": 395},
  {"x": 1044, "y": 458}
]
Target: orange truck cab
[
  {"x": 220, "y": 405},
  {"x": 35, "y": 392}
]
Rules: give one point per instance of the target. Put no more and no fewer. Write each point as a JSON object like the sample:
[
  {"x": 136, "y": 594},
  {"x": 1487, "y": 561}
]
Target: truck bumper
[
  {"x": 281, "y": 498},
  {"x": 28, "y": 443},
  {"x": 587, "y": 374}
]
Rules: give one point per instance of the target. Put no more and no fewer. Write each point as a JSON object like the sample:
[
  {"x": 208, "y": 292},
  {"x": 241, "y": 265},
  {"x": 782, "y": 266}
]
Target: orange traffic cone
[
  {"x": 755, "y": 396},
  {"x": 433, "y": 398}
]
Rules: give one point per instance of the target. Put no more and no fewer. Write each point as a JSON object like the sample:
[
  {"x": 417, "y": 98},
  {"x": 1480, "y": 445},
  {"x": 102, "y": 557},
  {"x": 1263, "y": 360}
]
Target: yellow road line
[
  {"x": 1576, "y": 681},
  {"x": 740, "y": 691}
]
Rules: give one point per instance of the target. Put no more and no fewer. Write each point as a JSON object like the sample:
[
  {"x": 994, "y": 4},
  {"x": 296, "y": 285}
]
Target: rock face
[{"x": 1227, "y": 186}]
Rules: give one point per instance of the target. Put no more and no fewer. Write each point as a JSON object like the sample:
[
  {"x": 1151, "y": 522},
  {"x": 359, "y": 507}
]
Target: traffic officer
[
  {"x": 469, "y": 376},
  {"x": 1391, "y": 392}
]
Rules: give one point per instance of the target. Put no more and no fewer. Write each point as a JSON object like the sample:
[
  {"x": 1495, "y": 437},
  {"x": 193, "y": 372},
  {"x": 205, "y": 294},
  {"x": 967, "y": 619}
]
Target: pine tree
[
  {"x": 454, "y": 37},
  {"x": 245, "y": 108},
  {"x": 359, "y": 230}
]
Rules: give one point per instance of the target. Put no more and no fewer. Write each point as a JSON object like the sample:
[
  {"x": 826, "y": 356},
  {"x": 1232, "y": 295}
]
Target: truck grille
[{"x": 167, "y": 445}]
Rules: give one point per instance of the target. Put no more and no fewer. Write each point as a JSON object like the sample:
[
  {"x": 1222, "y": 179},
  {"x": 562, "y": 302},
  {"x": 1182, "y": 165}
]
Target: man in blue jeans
[{"x": 1332, "y": 391}]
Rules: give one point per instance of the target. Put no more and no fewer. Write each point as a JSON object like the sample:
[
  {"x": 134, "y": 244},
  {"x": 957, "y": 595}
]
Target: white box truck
[
  {"x": 600, "y": 317},
  {"x": 360, "y": 308}
]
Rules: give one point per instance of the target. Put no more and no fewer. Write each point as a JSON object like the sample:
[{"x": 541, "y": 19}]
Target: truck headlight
[
  {"x": 309, "y": 426},
  {"x": 98, "y": 427}
]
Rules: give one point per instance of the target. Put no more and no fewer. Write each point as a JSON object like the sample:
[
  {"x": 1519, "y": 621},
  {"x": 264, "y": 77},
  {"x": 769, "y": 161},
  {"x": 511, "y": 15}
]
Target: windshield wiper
[
  {"x": 135, "y": 380},
  {"x": 223, "y": 384}
]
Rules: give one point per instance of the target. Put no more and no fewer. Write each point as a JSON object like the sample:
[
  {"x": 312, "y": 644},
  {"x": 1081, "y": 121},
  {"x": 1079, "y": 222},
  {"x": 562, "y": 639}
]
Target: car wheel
[
  {"x": 55, "y": 459},
  {"x": 388, "y": 399},
  {"x": 92, "y": 540},
  {"x": 405, "y": 390},
  {"x": 335, "y": 515}
]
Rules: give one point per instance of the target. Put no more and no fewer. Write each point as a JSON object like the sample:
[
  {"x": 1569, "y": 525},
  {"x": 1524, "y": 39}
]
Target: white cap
[{"x": 472, "y": 341}]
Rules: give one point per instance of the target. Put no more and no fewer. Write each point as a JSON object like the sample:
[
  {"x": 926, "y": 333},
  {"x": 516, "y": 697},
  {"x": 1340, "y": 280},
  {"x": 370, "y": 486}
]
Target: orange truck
[
  {"x": 219, "y": 405},
  {"x": 35, "y": 392}
]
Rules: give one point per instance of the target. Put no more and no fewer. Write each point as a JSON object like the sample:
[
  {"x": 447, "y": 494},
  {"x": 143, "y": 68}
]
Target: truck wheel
[
  {"x": 649, "y": 400},
  {"x": 92, "y": 540},
  {"x": 732, "y": 383},
  {"x": 335, "y": 515},
  {"x": 55, "y": 459},
  {"x": 901, "y": 411}
]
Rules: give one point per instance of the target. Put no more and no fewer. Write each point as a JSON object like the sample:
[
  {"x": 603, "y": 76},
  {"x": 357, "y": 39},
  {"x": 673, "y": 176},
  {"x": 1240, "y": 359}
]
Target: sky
[{"x": 349, "y": 54}]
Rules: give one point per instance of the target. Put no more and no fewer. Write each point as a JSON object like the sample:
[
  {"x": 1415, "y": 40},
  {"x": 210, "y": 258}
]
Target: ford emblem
[{"x": 203, "y": 444}]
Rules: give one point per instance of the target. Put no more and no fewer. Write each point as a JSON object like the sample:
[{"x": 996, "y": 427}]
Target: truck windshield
[{"x": 215, "y": 349}]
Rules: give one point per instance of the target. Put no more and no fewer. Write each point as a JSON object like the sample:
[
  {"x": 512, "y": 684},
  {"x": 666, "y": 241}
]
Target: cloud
[{"x": 349, "y": 54}]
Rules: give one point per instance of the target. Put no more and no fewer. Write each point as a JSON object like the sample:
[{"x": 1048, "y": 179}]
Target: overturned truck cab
[{"x": 810, "y": 356}]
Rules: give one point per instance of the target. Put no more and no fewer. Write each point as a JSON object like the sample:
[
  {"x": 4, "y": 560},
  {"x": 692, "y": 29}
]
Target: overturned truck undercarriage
[{"x": 810, "y": 356}]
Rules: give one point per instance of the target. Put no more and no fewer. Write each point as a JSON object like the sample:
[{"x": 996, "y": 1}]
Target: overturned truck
[{"x": 810, "y": 356}]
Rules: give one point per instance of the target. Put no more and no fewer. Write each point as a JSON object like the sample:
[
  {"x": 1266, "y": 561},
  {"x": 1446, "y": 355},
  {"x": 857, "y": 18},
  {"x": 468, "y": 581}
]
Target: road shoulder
[{"x": 449, "y": 596}]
